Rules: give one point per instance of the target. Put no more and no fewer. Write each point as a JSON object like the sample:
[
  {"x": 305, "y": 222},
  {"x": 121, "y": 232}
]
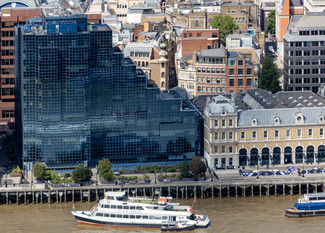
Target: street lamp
[
  {"x": 96, "y": 174},
  {"x": 155, "y": 178},
  {"x": 303, "y": 165},
  {"x": 258, "y": 172}
]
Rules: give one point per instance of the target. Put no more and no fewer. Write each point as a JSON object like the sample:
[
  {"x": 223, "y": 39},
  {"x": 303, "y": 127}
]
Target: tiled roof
[{"x": 287, "y": 116}]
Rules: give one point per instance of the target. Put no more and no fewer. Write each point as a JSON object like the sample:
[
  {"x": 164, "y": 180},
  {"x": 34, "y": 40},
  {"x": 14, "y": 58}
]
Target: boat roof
[
  {"x": 115, "y": 194},
  {"x": 315, "y": 194}
]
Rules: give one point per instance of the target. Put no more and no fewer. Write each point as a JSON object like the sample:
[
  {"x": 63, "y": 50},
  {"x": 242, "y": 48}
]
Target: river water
[{"x": 250, "y": 214}]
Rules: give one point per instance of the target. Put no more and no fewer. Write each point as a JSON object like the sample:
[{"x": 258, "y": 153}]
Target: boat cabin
[{"x": 312, "y": 197}]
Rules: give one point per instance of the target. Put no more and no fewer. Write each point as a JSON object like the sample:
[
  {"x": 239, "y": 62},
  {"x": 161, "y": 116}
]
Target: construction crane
[{"x": 31, "y": 22}]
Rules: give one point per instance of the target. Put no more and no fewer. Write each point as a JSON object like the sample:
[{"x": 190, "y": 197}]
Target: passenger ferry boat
[
  {"x": 115, "y": 209},
  {"x": 308, "y": 205}
]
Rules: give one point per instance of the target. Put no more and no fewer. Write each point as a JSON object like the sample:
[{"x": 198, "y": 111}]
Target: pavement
[{"x": 233, "y": 174}]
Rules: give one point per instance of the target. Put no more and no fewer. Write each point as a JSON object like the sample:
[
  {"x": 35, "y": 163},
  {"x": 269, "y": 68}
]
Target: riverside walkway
[{"x": 226, "y": 183}]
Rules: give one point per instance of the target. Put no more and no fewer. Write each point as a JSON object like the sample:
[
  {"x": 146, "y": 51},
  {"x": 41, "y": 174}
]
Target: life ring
[
  {"x": 177, "y": 227},
  {"x": 108, "y": 202}
]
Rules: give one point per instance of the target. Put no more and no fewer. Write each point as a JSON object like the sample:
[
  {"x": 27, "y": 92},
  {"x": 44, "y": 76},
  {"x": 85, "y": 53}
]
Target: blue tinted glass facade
[{"x": 80, "y": 100}]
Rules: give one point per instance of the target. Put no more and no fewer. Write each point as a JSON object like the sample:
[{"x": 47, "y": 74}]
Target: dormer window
[
  {"x": 223, "y": 111},
  {"x": 254, "y": 121},
  {"x": 276, "y": 120},
  {"x": 299, "y": 118},
  {"x": 321, "y": 118}
]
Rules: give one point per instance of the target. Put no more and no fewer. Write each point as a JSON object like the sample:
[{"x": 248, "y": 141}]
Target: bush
[
  {"x": 151, "y": 170},
  {"x": 172, "y": 169},
  {"x": 145, "y": 177},
  {"x": 67, "y": 175}
]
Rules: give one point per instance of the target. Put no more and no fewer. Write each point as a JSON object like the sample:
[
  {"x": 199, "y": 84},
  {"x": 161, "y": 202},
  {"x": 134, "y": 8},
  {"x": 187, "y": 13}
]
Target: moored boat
[
  {"x": 308, "y": 205},
  {"x": 177, "y": 226},
  {"x": 116, "y": 209}
]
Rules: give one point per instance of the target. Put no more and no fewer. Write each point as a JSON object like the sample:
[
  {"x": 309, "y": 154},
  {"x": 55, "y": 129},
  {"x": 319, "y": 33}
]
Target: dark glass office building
[{"x": 80, "y": 100}]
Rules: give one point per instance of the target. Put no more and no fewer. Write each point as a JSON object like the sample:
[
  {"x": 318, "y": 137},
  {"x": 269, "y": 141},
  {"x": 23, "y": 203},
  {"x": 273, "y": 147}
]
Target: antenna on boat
[{"x": 194, "y": 202}]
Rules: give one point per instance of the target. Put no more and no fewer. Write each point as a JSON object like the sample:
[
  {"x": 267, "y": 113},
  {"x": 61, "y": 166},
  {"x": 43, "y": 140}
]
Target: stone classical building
[{"x": 265, "y": 129}]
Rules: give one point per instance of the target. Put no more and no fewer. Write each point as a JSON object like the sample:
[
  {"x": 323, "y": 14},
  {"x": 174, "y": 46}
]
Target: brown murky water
[{"x": 253, "y": 214}]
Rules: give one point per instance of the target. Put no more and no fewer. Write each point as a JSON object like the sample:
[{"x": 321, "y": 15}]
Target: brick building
[{"x": 10, "y": 17}]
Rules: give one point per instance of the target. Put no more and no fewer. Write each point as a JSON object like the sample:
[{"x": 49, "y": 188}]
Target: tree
[
  {"x": 197, "y": 166},
  {"x": 184, "y": 169},
  {"x": 269, "y": 78},
  {"x": 226, "y": 26},
  {"x": 81, "y": 174},
  {"x": 270, "y": 22},
  {"x": 104, "y": 168},
  {"x": 39, "y": 170}
]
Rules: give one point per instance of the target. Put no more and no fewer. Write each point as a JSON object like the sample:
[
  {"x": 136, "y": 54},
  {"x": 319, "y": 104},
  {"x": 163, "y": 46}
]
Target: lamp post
[
  {"x": 258, "y": 172},
  {"x": 303, "y": 165},
  {"x": 96, "y": 174},
  {"x": 155, "y": 178}
]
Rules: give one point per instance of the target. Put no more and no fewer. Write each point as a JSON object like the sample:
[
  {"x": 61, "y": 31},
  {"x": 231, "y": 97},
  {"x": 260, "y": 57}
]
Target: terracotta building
[{"x": 10, "y": 17}]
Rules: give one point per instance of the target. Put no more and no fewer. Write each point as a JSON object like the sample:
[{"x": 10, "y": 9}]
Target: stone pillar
[
  {"x": 282, "y": 157},
  {"x": 49, "y": 197},
  {"x": 7, "y": 198},
  {"x": 88, "y": 195},
  {"x": 57, "y": 196},
  {"x": 33, "y": 194},
  {"x": 276, "y": 190},
  {"x": 244, "y": 191},
  {"x": 65, "y": 195},
  {"x": 25, "y": 198}
]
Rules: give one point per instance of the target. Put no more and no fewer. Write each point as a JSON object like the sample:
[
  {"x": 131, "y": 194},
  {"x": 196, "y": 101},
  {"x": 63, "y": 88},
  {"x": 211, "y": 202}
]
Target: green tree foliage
[
  {"x": 81, "y": 174},
  {"x": 197, "y": 166},
  {"x": 39, "y": 170},
  {"x": 269, "y": 78},
  {"x": 184, "y": 169},
  {"x": 48, "y": 175},
  {"x": 226, "y": 26},
  {"x": 104, "y": 168},
  {"x": 270, "y": 22}
]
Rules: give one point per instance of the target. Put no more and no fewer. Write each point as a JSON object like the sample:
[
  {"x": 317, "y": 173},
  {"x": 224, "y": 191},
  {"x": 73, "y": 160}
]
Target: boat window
[
  {"x": 125, "y": 216},
  {"x": 139, "y": 208},
  {"x": 121, "y": 198},
  {"x": 126, "y": 207},
  {"x": 99, "y": 214},
  {"x": 113, "y": 215},
  {"x": 145, "y": 217},
  {"x": 132, "y": 216},
  {"x": 106, "y": 215},
  {"x": 151, "y": 217},
  {"x": 113, "y": 206},
  {"x": 119, "y": 216},
  {"x": 158, "y": 217},
  {"x": 132, "y": 207},
  {"x": 107, "y": 206},
  {"x": 109, "y": 198},
  {"x": 101, "y": 206},
  {"x": 321, "y": 198},
  {"x": 155, "y": 208},
  {"x": 313, "y": 198},
  {"x": 164, "y": 218},
  {"x": 119, "y": 207},
  {"x": 138, "y": 216}
]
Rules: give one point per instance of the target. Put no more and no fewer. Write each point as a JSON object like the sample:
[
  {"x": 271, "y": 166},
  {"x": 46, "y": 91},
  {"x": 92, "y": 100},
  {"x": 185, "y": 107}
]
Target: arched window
[
  {"x": 162, "y": 84},
  {"x": 197, "y": 23},
  {"x": 143, "y": 63},
  {"x": 163, "y": 74}
]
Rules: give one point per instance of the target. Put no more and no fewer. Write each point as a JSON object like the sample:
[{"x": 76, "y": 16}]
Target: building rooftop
[
  {"x": 285, "y": 99},
  {"x": 220, "y": 52},
  {"x": 287, "y": 116}
]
